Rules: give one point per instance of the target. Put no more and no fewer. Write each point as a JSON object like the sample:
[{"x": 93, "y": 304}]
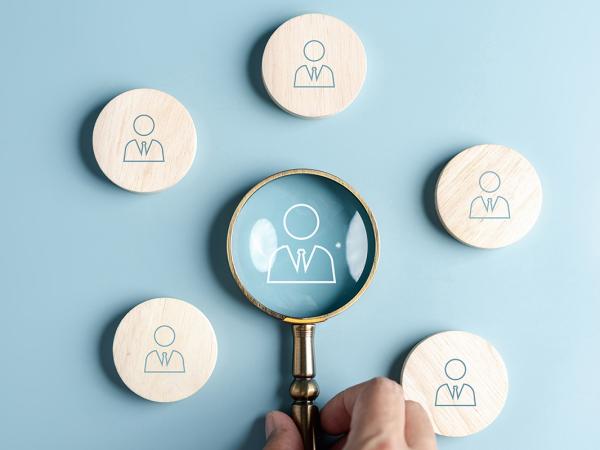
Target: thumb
[{"x": 282, "y": 433}]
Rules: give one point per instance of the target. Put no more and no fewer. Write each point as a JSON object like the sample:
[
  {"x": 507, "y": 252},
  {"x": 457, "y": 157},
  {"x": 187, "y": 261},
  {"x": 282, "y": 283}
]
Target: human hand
[{"x": 371, "y": 416}]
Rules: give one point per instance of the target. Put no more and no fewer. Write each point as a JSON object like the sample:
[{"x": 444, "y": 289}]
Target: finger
[
  {"x": 378, "y": 415},
  {"x": 419, "y": 431},
  {"x": 337, "y": 413},
  {"x": 282, "y": 433}
]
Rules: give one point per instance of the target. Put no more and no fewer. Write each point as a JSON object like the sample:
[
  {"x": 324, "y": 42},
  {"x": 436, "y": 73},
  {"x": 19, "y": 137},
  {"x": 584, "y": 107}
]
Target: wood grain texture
[
  {"x": 316, "y": 42},
  {"x": 144, "y": 140},
  {"x": 488, "y": 196},
  {"x": 165, "y": 349},
  {"x": 464, "y": 360}
]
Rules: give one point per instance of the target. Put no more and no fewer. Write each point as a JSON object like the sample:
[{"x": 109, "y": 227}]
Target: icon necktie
[
  {"x": 313, "y": 74},
  {"x": 455, "y": 392}
]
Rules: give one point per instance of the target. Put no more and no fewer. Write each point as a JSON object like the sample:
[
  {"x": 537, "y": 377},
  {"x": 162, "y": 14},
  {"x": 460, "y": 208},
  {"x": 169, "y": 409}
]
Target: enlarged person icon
[
  {"x": 161, "y": 361},
  {"x": 315, "y": 76},
  {"x": 139, "y": 150},
  {"x": 304, "y": 267},
  {"x": 453, "y": 395},
  {"x": 489, "y": 207}
]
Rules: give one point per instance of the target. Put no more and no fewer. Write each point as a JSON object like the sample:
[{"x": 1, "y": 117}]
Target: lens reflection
[
  {"x": 357, "y": 247},
  {"x": 262, "y": 244}
]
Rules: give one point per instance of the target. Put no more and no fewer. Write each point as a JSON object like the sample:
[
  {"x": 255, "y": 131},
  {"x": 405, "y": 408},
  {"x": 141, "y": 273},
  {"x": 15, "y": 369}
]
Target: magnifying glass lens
[{"x": 303, "y": 245}]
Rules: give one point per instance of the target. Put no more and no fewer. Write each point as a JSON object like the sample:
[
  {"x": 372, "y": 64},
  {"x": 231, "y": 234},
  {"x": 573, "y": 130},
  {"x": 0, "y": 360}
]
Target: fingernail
[{"x": 269, "y": 424}]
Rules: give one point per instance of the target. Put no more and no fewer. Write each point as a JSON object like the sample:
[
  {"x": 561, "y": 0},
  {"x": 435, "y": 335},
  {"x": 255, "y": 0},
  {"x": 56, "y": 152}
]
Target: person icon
[
  {"x": 315, "y": 76},
  {"x": 161, "y": 361},
  {"x": 142, "y": 150},
  {"x": 447, "y": 395},
  {"x": 489, "y": 207},
  {"x": 304, "y": 267}
]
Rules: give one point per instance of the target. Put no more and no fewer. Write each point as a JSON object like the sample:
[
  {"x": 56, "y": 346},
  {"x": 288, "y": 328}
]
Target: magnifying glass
[{"x": 303, "y": 246}]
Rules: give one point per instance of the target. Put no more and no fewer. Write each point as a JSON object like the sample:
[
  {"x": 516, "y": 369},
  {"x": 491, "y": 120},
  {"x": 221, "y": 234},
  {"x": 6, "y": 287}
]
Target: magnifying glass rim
[{"x": 254, "y": 300}]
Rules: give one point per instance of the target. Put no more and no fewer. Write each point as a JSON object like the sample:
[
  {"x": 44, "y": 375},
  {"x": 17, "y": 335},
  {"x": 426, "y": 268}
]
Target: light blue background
[{"x": 77, "y": 252}]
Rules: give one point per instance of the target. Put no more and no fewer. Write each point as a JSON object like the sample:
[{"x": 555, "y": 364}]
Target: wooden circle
[
  {"x": 314, "y": 65},
  {"x": 488, "y": 196},
  {"x": 165, "y": 349},
  {"x": 144, "y": 140},
  {"x": 460, "y": 380}
]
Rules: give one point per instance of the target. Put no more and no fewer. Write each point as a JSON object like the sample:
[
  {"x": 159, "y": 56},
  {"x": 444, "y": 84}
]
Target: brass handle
[{"x": 304, "y": 389}]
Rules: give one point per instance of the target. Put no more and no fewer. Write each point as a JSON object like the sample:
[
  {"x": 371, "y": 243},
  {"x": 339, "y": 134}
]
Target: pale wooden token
[
  {"x": 314, "y": 65},
  {"x": 165, "y": 349},
  {"x": 460, "y": 380},
  {"x": 144, "y": 140},
  {"x": 488, "y": 196}
]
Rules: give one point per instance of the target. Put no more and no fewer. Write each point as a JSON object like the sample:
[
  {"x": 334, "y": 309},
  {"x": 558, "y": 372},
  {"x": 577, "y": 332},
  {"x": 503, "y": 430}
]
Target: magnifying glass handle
[{"x": 304, "y": 389}]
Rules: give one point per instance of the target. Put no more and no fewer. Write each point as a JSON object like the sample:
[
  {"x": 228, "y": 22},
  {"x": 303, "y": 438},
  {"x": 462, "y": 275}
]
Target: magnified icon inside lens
[
  {"x": 311, "y": 266},
  {"x": 303, "y": 246}
]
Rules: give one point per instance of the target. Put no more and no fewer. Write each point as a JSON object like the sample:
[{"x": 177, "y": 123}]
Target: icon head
[
  {"x": 143, "y": 125},
  {"x": 489, "y": 181},
  {"x": 455, "y": 369},
  {"x": 301, "y": 208},
  {"x": 164, "y": 335},
  {"x": 314, "y": 50}
]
